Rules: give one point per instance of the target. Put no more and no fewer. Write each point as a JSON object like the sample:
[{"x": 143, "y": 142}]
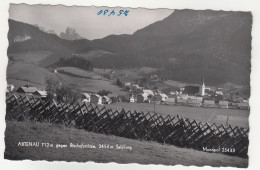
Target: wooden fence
[{"x": 135, "y": 125}]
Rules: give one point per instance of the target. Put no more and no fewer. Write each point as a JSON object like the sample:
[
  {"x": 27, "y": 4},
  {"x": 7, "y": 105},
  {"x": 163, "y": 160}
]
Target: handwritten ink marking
[
  {"x": 113, "y": 12},
  {"x": 126, "y": 12},
  {"x": 100, "y": 12},
  {"x": 105, "y": 12},
  {"x": 120, "y": 12}
]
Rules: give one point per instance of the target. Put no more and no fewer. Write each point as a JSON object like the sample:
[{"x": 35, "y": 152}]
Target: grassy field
[
  {"x": 142, "y": 152},
  {"x": 27, "y": 73},
  {"x": 20, "y": 73},
  {"x": 90, "y": 85},
  {"x": 212, "y": 115},
  {"x": 92, "y": 54},
  {"x": 175, "y": 83},
  {"x": 128, "y": 75},
  {"x": 34, "y": 57},
  {"x": 79, "y": 73}
]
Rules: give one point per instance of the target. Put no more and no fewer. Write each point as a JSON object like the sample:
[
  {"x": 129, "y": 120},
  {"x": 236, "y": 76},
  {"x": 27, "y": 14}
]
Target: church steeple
[
  {"x": 202, "y": 86},
  {"x": 202, "y": 80}
]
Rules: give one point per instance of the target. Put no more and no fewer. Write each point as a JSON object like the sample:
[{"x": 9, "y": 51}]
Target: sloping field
[
  {"x": 20, "y": 73},
  {"x": 134, "y": 73},
  {"x": 174, "y": 83},
  {"x": 79, "y": 72},
  {"x": 91, "y": 85},
  {"x": 213, "y": 115},
  {"x": 92, "y": 54},
  {"x": 130, "y": 75},
  {"x": 33, "y": 57},
  {"x": 28, "y": 73},
  {"x": 18, "y": 83},
  {"x": 142, "y": 152}
]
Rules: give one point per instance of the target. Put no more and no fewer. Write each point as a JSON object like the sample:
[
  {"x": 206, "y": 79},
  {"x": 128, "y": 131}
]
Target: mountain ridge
[{"x": 184, "y": 45}]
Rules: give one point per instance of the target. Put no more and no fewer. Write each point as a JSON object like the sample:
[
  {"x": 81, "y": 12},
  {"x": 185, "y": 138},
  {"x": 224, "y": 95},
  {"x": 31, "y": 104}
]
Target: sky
[{"x": 85, "y": 20}]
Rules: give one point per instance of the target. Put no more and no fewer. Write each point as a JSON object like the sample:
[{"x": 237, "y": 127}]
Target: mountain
[
  {"x": 183, "y": 46},
  {"x": 187, "y": 44},
  {"x": 70, "y": 34},
  {"x": 24, "y": 38},
  {"x": 45, "y": 30}
]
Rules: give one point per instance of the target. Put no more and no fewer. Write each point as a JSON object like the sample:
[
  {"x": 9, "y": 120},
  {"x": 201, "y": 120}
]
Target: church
[{"x": 195, "y": 90}]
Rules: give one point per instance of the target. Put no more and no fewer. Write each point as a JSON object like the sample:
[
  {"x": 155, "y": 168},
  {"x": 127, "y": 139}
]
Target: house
[
  {"x": 172, "y": 96},
  {"x": 223, "y": 104},
  {"x": 96, "y": 99},
  {"x": 194, "y": 102},
  {"x": 132, "y": 99},
  {"x": 160, "y": 97},
  {"x": 170, "y": 101},
  {"x": 244, "y": 106},
  {"x": 183, "y": 96},
  {"x": 172, "y": 92},
  {"x": 207, "y": 89},
  {"x": 9, "y": 88},
  {"x": 86, "y": 97},
  {"x": 128, "y": 84},
  {"x": 196, "y": 98},
  {"x": 141, "y": 98},
  {"x": 181, "y": 101},
  {"x": 237, "y": 99},
  {"x": 164, "y": 96},
  {"x": 148, "y": 92},
  {"x": 113, "y": 97},
  {"x": 106, "y": 100},
  {"x": 27, "y": 90},
  {"x": 182, "y": 88},
  {"x": 245, "y": 101},
  {"x": 206, "y": 97},
  {"x": 136, "y": 87},
  {"x": 209, "y": 103},
  {"x": 40, "y": 93},
  {"x": 233, "y": 104},
  {"x": 218, "y": 92}
]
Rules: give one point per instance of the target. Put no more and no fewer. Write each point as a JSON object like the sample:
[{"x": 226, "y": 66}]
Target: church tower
[{"x": 202, "y": 87}]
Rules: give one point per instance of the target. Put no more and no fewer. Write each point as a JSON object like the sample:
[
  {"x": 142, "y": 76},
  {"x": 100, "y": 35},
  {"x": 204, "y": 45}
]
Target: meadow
[
  {"x": 90, "y": 85},
  {"x": 212, "y": 115},
  {"x": 20, "y": 73},
  {"x": 77, "y": 72},
  {"x": 33, "y": 57}
]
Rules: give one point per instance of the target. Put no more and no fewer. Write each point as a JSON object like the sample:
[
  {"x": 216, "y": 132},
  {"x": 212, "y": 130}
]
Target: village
[{"x": 190, "y": 96}]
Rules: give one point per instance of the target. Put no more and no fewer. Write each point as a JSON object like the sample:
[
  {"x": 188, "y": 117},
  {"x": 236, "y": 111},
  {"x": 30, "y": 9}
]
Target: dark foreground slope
[{"x": 142, "y": 152}]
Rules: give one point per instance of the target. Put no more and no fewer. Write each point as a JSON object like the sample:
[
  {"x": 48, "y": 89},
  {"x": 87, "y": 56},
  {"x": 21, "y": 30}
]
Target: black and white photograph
[{"x": 127, "y": 85}]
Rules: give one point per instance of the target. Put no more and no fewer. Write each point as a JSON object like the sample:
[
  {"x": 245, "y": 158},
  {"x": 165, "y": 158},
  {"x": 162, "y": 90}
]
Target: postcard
[{"x": 101, "y": 84}]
